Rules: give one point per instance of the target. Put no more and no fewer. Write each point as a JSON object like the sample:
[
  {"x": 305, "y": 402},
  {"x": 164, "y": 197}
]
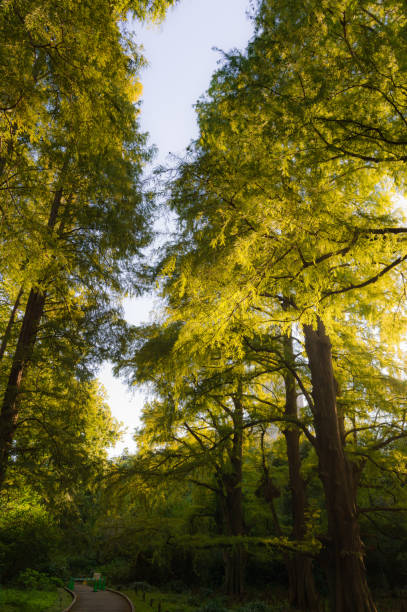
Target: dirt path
[{"x": 102, "y": 601}]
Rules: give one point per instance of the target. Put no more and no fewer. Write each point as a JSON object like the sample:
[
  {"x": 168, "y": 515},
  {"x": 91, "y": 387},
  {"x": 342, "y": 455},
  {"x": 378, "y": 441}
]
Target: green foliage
[
  {"x": 33, "y": 580},
  {"x": 24, "y": 518},
  {"x": 118, "y": 571},
  {"x": 74, "y": 220},
  {"x": 13, "y": 600},
  {"x": 286, "y": 216},
  {"x": 173, "y": 602},
  {"x": 73, "y": 224}
]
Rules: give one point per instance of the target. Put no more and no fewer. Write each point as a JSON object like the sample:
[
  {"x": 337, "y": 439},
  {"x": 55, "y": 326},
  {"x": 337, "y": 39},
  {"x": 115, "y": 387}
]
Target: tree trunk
[
  {"x": 22, "y": 356},
  {"x": 350, "y": 591},
  {"x": 232, "y": 508},
  {"x": 302, "y": 592},
  {"x": 10, "y": 324},
  {"x": 234, "y": 570}
]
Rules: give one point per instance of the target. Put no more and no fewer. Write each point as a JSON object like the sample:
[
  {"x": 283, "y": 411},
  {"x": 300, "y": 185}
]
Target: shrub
[
  {"x": 31, "y": 579},
  {"x": 12, "y": 600}
]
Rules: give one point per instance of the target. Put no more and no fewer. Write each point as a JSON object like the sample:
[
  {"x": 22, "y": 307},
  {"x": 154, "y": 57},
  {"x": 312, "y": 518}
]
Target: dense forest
[{"x": 271, "y": 463}]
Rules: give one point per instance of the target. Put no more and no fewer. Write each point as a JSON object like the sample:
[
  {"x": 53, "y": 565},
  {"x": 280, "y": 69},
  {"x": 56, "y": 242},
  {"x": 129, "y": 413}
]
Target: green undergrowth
[
  {"x": 31, "y": 600},
  {"x": 163, "y": 601},
  {"x": 188, "y": 602},
  {"x": 171, "y": 602}
]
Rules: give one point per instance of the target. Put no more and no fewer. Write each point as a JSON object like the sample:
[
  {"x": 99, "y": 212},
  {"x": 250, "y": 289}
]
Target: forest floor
[{"x": 18, "y": 600}]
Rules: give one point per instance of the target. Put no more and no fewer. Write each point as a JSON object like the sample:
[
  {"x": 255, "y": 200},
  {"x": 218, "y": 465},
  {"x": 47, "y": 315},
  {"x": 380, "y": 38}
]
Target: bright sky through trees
[{"x": 181, "y": 60}]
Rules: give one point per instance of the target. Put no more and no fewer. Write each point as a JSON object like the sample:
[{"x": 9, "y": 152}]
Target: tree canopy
[{"x": 272, "y": 447}]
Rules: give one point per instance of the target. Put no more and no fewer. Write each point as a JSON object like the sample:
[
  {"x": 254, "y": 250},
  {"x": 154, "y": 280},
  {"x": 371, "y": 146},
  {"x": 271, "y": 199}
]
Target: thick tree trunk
[
  {"x": 22, "y": 356},
  {"x": 10, "y": 323},
  {"x": 302, "y": 592},
  {"x": 232, "y": 508},
  {"x": 351, "y": 591}
]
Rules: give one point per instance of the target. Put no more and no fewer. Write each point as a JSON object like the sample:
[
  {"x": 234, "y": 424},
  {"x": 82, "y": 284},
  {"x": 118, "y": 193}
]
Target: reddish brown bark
[
  {"x": 348, "y": 575},
  {"x": 10, "y": 323},
  {"x": 302, "y": 592},
  {"x": 25, "y": 344},
  {"x": 232, "y": 507},
  {"x": 22, "y": 356}
]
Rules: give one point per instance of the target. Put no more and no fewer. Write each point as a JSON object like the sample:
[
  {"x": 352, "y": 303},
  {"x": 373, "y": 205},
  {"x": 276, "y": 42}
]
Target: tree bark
[
  {"x": 350, "y": 589},
  {"x": 10, "y": 323},
  {"x": 302, "y": 592},
  {"x": 232, "y": 507},
  {"x": 22, "y": 356}
]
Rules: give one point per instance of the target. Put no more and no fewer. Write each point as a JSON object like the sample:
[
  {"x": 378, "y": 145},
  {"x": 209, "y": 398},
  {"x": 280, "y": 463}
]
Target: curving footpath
[{"x": 102, "y": 601}]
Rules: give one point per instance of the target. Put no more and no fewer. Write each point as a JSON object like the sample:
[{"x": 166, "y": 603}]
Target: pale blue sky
[{"x": 181, "y": 62}]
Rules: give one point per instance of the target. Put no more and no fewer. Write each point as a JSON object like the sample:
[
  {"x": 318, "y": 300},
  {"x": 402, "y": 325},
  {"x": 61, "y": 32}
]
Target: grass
[{"x": 16, "y": 600}]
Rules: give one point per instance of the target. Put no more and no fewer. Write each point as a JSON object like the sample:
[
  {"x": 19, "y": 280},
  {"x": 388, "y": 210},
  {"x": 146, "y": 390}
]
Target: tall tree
[
  {"x": 197, "y": 421},
  {"x": 73, "y": 216},
  {"x": 266, "y": 214}
]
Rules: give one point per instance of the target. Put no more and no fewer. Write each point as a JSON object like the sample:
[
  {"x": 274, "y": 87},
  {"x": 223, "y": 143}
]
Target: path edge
[
  {"x": 73, "y": 600},
  {"x": 124, "y": 597}
]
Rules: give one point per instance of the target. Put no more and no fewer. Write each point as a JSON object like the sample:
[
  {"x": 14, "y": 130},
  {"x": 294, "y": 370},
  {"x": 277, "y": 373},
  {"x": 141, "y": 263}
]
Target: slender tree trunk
[
  {"x": 232, "y": 504},
  {"x": 302, "y": 592},
  {"x": 10, "y": 323},
  {"x": 22, "y": 356},
  {"x": 234, "y": 570},
  {"x": 351, "y": 592}
]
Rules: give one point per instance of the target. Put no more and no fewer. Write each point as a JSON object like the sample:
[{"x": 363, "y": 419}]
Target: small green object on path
[{"x": 101, "y": 601}]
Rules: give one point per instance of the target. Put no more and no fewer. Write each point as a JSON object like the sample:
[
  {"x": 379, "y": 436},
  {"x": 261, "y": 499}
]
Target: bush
[
  {"x": 12, "y": 600},
  {"x": 31, "y": 579}
]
